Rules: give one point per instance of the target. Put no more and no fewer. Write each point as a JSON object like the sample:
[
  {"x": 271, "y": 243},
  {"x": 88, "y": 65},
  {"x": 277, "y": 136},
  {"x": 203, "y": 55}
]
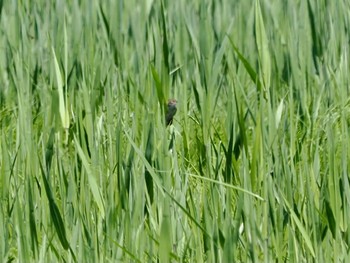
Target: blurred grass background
[{"x": 253, "y": 169}]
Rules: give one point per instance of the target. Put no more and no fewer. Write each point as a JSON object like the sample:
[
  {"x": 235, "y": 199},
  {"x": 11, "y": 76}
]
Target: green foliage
[{"x": 254, "y": 167}]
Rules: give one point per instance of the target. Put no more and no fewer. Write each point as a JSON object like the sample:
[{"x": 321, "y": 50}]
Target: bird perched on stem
[{"x": 171, "y": 111}]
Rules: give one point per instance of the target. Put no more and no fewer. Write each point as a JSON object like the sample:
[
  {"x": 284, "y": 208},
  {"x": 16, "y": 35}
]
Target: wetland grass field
[{"x": 253, "y": 168}]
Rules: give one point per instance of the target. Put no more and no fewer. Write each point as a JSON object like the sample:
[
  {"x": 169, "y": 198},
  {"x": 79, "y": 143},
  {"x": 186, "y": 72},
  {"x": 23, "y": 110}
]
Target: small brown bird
[{"x": 171, "y": 111}]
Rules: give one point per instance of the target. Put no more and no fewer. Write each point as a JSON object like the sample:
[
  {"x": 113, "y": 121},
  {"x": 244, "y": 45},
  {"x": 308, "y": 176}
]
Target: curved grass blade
[
  {"x": 228, "y": 185},
  {"x": 91, "y": 179},
  {"x": 299, "y": 226},
  {"x": 55, "y": 212},
  {"x": 253, "y": 75}
]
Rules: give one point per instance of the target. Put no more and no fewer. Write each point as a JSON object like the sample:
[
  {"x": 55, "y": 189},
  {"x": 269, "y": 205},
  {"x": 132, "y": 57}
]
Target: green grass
[{"x": 253, "y": 169}]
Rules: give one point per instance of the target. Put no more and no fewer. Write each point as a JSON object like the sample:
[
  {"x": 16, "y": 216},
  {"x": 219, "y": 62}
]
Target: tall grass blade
[
  {"x": 91, "y": 179},
  {"x": 252, "y": 73},
  {"x": 300, "y": 227},
  {"x": 263, "y": 47},
  {"x": 165, "y": 40},
  {"x": 55, "y": 213},
  {"x": 316, "y": 42},
  {"x": 148, "y": 156},
  {"x": 63, "y": 107}
]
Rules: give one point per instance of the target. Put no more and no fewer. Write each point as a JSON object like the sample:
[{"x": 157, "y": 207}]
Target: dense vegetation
[{"x": 254, "y": 167}]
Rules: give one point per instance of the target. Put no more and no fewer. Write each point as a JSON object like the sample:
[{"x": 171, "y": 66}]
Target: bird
[{"x": 171, "y": 111}]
